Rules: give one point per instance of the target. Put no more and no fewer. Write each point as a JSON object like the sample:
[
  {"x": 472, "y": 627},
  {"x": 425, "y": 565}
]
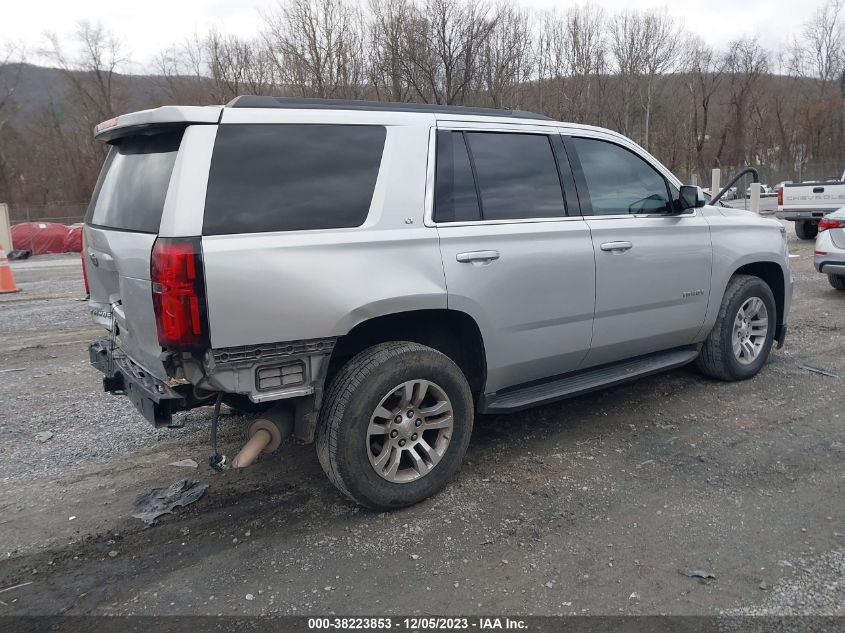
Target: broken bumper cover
[{"x": 154, "y": 399}]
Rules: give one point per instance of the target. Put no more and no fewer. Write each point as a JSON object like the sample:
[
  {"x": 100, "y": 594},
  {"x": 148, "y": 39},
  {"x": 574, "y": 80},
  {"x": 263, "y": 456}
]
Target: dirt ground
[{"x": 590, "y": 506}]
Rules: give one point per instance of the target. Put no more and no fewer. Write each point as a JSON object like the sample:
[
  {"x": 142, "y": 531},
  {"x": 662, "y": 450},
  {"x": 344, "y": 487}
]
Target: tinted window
[
  {"x": 133, "y": 183},
  {"x": 455, "y": 196},
  {"x": 291, "y": 177},
  {"x": 517, "y": 176},
  {"x": 619, "y": 181}
]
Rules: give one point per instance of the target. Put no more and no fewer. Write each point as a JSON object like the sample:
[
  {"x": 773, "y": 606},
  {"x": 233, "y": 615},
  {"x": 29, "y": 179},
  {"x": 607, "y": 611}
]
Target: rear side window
[
  {"x": 288, "y": 177},
  {"x": 133, "y": 183},
  {"x": 496, "y": 176},
  {"x": 517, "y": 176},
  {"x": 619, "y": 181},
  {"x": 456, "y": 199}
]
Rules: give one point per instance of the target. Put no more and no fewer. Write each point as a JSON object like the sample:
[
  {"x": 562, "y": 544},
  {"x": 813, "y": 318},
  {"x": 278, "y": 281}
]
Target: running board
[{"x": 585, "y": 381}]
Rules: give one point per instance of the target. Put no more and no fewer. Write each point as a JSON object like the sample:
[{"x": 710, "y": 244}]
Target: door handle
[
  {"x": 477, "y": 256},
  {"x": 617, "y": 247}
]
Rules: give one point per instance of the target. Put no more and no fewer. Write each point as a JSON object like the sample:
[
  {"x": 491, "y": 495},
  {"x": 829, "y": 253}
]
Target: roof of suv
[
  {"x": 155, "y": 119},
  {"x": 252, "y": 101}
]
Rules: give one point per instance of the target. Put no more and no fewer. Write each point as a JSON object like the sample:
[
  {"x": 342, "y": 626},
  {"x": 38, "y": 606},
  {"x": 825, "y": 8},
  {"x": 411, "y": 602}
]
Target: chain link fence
[{"x": 60, "y": 212}]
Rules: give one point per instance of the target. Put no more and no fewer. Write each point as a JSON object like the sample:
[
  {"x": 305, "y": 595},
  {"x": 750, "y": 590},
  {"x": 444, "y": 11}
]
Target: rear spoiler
[{"x": 156, "y": 119}]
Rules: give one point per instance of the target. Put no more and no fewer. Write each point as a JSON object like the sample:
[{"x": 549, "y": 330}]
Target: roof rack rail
[{"x": 254, "y": 101}]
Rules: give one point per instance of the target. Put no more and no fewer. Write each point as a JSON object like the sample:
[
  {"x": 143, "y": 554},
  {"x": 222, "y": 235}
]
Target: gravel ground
[
  {"x": 588, "y": 506},
  {"x": 54, "y": 391},
  {"x": 817, "y": 588}
]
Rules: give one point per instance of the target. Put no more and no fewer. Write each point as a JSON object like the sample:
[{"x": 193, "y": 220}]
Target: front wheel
[
  {"x": 837, "y": 281},
  {"x": 741, "y": 340},
  {"x": 395, "y": 425},
  {"x": 806, "y": 230}
]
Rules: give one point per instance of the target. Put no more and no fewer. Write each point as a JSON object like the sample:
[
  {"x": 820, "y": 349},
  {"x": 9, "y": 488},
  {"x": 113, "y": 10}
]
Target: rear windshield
[
  {"x": 290, "y": 177},
  {"x": 133, "y": 183}
]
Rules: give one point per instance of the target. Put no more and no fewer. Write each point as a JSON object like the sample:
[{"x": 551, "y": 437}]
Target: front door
[{"x": 653, "y": 266}]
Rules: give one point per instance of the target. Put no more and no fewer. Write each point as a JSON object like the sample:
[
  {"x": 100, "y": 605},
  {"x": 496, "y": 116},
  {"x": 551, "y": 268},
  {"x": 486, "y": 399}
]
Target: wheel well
[
  {"x": 453, "y": 333},
  {"x": 772, "y": 274}
]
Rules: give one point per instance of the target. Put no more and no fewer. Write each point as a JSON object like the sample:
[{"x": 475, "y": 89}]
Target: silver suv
[{"x": 376, "y": 274}]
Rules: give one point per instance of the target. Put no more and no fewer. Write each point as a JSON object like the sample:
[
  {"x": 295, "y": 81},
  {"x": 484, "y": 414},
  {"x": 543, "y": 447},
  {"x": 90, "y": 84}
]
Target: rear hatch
[{"x": 120, "y": 229}]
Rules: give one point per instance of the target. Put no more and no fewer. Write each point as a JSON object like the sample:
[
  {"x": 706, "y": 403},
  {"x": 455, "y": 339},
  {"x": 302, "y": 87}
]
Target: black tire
[
  {"x": 806, "y": 230},
  {"x": 241, "y": 402},
  {"x": 717, "y": 358},
  {"x": 837, "y": 281},
  {"x": 350, "y": 401}
]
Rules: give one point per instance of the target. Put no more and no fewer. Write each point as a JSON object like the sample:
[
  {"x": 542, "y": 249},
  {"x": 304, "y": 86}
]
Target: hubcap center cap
[{"x": 405, "y": 428}]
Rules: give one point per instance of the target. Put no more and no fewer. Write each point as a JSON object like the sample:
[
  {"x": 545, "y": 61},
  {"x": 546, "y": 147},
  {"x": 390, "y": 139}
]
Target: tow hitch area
[{"x": 155, "y": 400}]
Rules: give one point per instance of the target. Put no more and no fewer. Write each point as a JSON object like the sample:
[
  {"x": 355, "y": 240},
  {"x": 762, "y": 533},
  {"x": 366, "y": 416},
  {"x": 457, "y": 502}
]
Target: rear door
[
  {"x": 120, "y": 228},
  {"x": 653, "y": 267},
  {"x": 514, "y": 259}
]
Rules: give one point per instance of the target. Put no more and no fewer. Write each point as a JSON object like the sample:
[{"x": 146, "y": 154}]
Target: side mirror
[{"x": 691, "y": 197}]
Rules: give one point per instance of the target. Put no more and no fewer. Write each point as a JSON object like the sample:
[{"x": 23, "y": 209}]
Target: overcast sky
[{"x": 147, "y": 26}]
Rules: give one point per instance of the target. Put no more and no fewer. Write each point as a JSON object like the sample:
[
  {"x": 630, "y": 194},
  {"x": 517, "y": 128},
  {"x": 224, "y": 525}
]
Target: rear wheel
[
  {"x": 395, "y": 425},
  {"x": 837, "y": 281},
  {"x": 806, "y": 230},
  {"x": 741, "y": 340}
]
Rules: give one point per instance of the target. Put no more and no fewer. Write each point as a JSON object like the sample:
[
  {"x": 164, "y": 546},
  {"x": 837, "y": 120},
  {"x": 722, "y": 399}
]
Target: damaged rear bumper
[{"x": 153, "y": 399}]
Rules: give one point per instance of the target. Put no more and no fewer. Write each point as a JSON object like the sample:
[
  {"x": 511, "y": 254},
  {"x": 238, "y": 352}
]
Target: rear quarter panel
[{"x": 285, "y": 286}]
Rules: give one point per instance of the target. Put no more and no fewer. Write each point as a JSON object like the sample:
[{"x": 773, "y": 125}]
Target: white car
[
  {"x": 830, "y": 248},
  {"x": 764, "y": 189}
]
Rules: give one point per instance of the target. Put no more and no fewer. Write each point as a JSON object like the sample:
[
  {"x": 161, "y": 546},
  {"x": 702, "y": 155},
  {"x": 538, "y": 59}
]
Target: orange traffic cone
[{"x": 7, "y": 279}]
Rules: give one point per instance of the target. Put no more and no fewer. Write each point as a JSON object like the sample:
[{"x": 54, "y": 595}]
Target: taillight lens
[
  {"x": 826, "y": 223},
  {"x": 178, "y": 282},
  {"x": 85, "y": 274},
  {"x": 780, "y": 197}
]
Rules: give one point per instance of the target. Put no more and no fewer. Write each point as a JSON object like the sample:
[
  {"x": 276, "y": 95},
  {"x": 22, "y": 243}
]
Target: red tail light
[
  {"x": 826, "y": 223},
  {"x": 780, "y": 197},
  {"x": 85, "y": 273},
  {"x": 178, "y": 281}
]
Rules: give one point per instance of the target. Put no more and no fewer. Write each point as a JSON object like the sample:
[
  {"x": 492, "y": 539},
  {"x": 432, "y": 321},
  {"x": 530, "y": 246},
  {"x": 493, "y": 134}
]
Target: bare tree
[
  {"x": 443, "y": 45},
  {"x": 183, "y": 73},
  {"x": 317, "y": 47},
  {"x": 627, "y": 41},
  {"x": 571, "y": 57},
  {"x": 659, "y": 51},
  {"x": 94, "y": 93},
  {"x": 745, "y": 63},
  {"x": 703, "y": 75},
  {"x": 98, "y": 57},
  {"x": 389, "y": 21},
  {"x": 824, "y": 42},
  {"x": 237, "y": 66},
  {"x": 507, "y": 58},
  {"x": 11, "y": 67}
]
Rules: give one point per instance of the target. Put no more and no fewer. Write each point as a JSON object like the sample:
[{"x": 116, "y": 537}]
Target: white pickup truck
[{"x": 805, "y": 203}]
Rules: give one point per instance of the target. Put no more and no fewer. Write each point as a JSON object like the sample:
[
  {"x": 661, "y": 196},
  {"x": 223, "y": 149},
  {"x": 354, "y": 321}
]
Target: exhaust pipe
[{"x": 265, "y": 435}]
